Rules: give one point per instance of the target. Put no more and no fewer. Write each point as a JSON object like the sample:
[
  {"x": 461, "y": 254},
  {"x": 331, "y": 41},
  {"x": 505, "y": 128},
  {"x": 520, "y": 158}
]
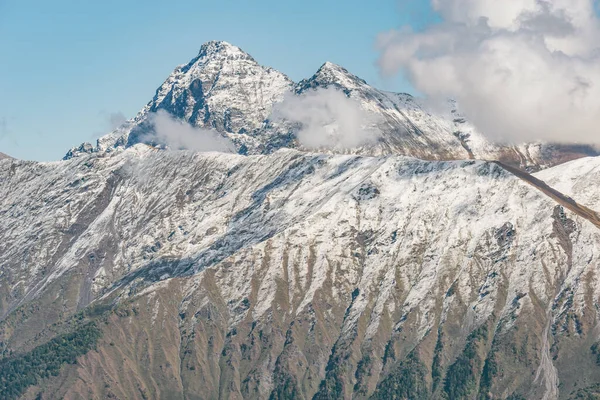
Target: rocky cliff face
[
  {"x": 300, "y": 275},
  {"x": 225, "y": 89}
]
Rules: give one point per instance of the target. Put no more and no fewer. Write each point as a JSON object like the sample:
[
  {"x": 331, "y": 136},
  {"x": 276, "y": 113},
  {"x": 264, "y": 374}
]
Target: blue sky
[{"x": 68, "y": 65}]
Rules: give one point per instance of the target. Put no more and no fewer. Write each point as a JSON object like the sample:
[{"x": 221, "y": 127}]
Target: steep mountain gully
[{"x": 547, "y": 373}]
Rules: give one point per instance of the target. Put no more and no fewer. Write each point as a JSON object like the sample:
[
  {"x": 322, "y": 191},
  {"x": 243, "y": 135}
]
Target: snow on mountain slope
[
  {"x": 224, "y": 88},
  {"x": 578, "y": 179},
  {"x": 346, "y": 263},
  {"x": 291, "y": 274},
  {"x": 407, "y": 129},
  {"x": 411, "y": 128}
]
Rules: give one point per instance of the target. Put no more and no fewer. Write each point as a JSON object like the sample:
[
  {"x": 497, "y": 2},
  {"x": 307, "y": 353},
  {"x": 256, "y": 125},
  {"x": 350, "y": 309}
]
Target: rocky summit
[{"x": 428, "y": 264}]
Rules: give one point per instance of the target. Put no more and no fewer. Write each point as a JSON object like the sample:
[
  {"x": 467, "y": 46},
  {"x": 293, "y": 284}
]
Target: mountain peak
[
  {"x": 216, "y": 44},
  {"x": 331, "y": 71},
  {"x": 329, "y": 66},
  {"x": 4, "y": 156},
  {"x": 218, "y": 47},
  {"x": 217, "y": 90},
  {"x": 331, "y": 74},
  {"x": 216, "y": 53}
]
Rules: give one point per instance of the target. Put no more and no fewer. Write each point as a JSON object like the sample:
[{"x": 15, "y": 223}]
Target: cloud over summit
[
  {"x": 328, "y": 119},
  {"x": 521, "y": 70}
]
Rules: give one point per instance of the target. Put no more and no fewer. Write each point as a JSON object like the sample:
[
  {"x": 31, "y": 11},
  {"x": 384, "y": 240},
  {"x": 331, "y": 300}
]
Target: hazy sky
[{"x": 69, "y": 67}]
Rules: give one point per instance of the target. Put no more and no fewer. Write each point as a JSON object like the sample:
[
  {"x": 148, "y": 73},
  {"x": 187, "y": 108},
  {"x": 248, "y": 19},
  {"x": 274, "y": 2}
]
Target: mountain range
[
  {"x": 225, "y": 89},
  {"x": 430, "y": 263}
]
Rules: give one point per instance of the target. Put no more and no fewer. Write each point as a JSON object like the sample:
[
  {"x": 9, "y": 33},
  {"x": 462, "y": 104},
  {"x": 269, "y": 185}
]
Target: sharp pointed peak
[
  {"x": 328, "y": 65},
  {"x": 219, "y": 47},
  {"x": 331, "y": 74},
  {"x": 216, "y": 45},
  {"x": 216, "y": 51},
  {"x": 335, "y": 72}
]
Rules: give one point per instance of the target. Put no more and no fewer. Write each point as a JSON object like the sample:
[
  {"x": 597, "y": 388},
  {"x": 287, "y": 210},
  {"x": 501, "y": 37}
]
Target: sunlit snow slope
[{"x": 302, "y": 275}]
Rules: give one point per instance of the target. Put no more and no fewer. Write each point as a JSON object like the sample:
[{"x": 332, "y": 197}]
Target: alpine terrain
[{"x": 430, "y": 263}]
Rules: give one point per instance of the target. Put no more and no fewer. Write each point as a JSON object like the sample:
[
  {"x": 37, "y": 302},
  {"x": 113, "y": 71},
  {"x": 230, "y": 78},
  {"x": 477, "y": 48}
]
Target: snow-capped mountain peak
[
  {"x": 330, "y": 74},
  {"x": 214, "y": 47},
  {"x": 224, "y": 76},
  {"x": 222, "y": 88}
]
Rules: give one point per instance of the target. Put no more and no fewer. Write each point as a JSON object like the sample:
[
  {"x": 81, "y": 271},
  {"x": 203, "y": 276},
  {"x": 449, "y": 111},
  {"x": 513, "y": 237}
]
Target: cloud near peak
[
  {"x": 328, "y": 119},
  {"x": 180, "y": 135},
  {"x": 521, "y": 70}
]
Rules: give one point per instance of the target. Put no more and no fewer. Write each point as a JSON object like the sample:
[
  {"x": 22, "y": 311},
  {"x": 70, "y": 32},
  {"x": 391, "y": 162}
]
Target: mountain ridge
[
  {"x": 230, "y": 268},
  {"x": 225, "y": 89}
]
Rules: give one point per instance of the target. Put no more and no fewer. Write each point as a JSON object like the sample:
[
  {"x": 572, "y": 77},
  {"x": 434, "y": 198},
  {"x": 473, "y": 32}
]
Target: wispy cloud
[
  {"x": 116, "y": 119},
  {"x": 6, "y": 133},
  {"x": 328, "y": 119},
  {"x": 180, "y": 135},
  {"x": 3, "y": 128},
  {"x": 110, "y": 122},
  {"x": 521, "y": 69}
]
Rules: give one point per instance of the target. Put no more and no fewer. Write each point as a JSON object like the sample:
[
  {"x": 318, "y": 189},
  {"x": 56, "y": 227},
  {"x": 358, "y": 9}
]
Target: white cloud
[
  {"x": 3, "y": 128},
  {"x": 521, "y": 70},
  {"x": 110, "y": 122},
  {"x": 6, "y": 134},
  {"x": 328, "y": 119},
  {"x": 116, "y": 119},
  {"x": 180, "y": 135}
]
